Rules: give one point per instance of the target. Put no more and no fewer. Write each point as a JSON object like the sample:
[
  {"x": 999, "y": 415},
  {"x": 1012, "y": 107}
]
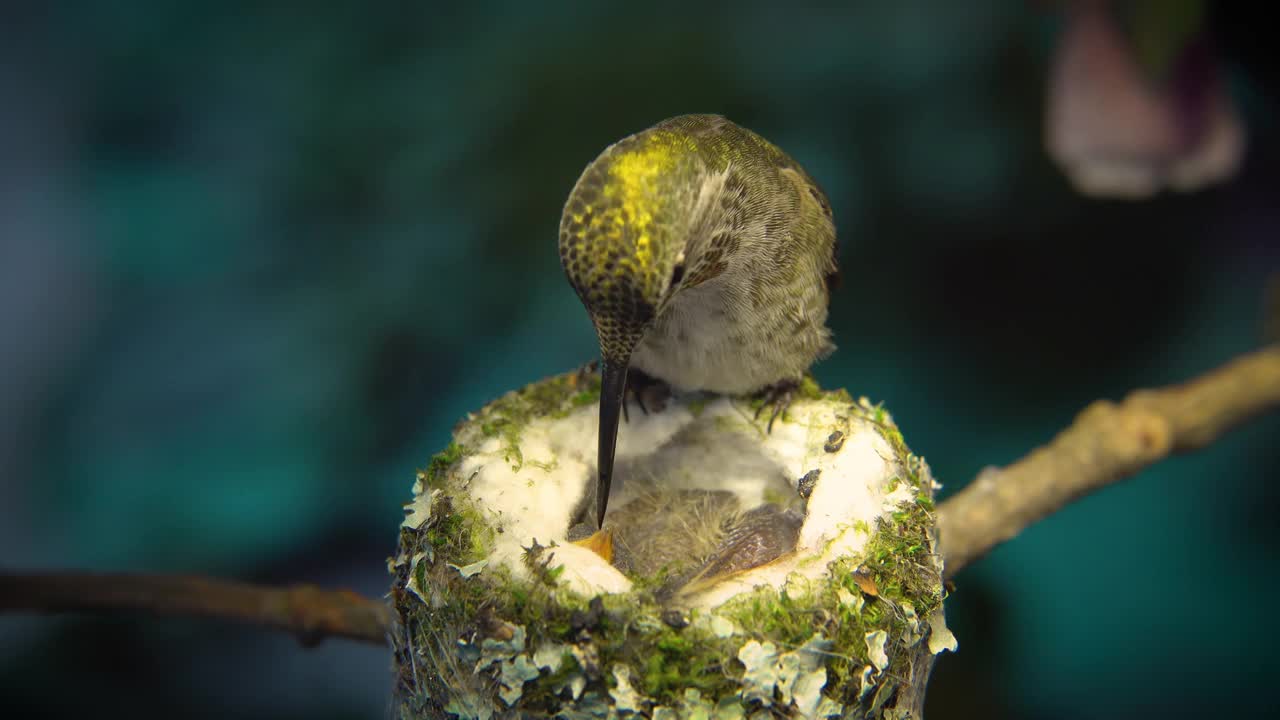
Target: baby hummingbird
[{"x": 704, "y": 256}]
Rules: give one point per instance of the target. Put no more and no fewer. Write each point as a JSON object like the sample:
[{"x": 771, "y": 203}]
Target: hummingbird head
[
  {"x": 623, "y": 238},
  {"x": 624, "y": 231}
]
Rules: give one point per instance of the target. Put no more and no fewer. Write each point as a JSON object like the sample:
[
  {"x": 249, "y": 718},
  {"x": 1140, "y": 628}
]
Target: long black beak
[{"x": 613, "y": 383}]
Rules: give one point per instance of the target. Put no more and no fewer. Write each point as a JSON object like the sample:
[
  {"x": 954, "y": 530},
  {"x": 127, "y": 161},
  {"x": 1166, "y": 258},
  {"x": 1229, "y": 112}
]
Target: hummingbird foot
[
  {"x": 649, "y": 393},
  {"x": 778, "y": 396}
]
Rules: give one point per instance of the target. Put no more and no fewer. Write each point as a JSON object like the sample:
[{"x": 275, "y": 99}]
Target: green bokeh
[{"x": 315, "y": 235}]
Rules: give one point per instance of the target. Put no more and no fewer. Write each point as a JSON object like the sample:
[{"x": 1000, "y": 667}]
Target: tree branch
[
  {"x": 306, "y": 611},
  {"x": 1106, "y": 443}
]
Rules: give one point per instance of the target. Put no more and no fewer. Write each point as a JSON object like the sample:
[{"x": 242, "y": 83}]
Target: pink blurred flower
[{"x": 1118, "y": 131}]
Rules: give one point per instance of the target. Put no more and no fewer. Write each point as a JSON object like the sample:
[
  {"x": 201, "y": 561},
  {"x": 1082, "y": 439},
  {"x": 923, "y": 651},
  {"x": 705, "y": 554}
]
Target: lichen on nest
[{"x": 791, "y": 572}]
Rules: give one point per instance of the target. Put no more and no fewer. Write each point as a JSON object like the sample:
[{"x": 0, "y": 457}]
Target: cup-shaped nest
[{"x": 739, "y": 570}]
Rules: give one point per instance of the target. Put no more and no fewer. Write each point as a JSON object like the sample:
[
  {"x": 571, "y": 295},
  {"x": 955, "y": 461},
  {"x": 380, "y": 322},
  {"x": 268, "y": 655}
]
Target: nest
[{"x": 739, "y": 573}]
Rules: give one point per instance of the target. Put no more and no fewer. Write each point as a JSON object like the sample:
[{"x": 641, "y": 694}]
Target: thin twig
[
  {"x": 1106, "y": 443},
  {"x": 308, "y": 612}
]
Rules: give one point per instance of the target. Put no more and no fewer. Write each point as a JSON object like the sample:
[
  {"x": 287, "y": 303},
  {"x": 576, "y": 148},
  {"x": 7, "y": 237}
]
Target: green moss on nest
[
  {"x": 554, "y": 397},
  {"x": 687, "y": 657},
  {"x": 437, "y": 469},
  {"x": 809, "y": 388},
  {"x": 443, "y": 668},
  {"x": 894, "y": 563}
]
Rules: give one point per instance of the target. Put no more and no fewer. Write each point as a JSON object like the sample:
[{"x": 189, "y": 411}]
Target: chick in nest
[{"x": 689, "y": 538}]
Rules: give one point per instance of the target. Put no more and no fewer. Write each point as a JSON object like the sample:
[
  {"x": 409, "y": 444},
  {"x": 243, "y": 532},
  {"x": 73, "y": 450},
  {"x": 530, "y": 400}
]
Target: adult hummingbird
[{"x": 705, "y": 257}]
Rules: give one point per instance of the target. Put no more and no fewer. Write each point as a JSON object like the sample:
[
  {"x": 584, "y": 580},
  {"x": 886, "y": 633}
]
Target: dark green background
[{"x": 257, "y": 258}]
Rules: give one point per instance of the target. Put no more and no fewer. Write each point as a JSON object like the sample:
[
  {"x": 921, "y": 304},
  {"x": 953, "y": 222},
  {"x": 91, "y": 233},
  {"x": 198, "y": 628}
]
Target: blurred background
[{"x": 257, "y": 258}]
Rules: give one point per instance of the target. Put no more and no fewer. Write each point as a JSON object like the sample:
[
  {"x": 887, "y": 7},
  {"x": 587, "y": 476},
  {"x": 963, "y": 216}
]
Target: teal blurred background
[{"x": 257, "y": 258}]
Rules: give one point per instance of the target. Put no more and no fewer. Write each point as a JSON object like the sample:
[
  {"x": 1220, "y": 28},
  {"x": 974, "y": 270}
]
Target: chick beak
[{"x": 613, "y": 384}]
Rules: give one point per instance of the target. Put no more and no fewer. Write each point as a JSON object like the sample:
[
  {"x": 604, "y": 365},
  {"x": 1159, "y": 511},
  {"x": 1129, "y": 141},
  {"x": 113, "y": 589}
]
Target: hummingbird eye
[{"x": 677, "y": 274}]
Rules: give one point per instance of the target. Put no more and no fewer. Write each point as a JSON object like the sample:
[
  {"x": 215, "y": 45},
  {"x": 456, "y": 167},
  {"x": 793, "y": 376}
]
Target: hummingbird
[{"x": 705, "y": 257}]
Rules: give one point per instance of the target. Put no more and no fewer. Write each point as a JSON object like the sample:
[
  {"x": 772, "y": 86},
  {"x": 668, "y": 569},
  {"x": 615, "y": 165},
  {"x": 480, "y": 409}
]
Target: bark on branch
[
  {"x": 306, "y": 611},
  {"x": 1107, "y": 443}
]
